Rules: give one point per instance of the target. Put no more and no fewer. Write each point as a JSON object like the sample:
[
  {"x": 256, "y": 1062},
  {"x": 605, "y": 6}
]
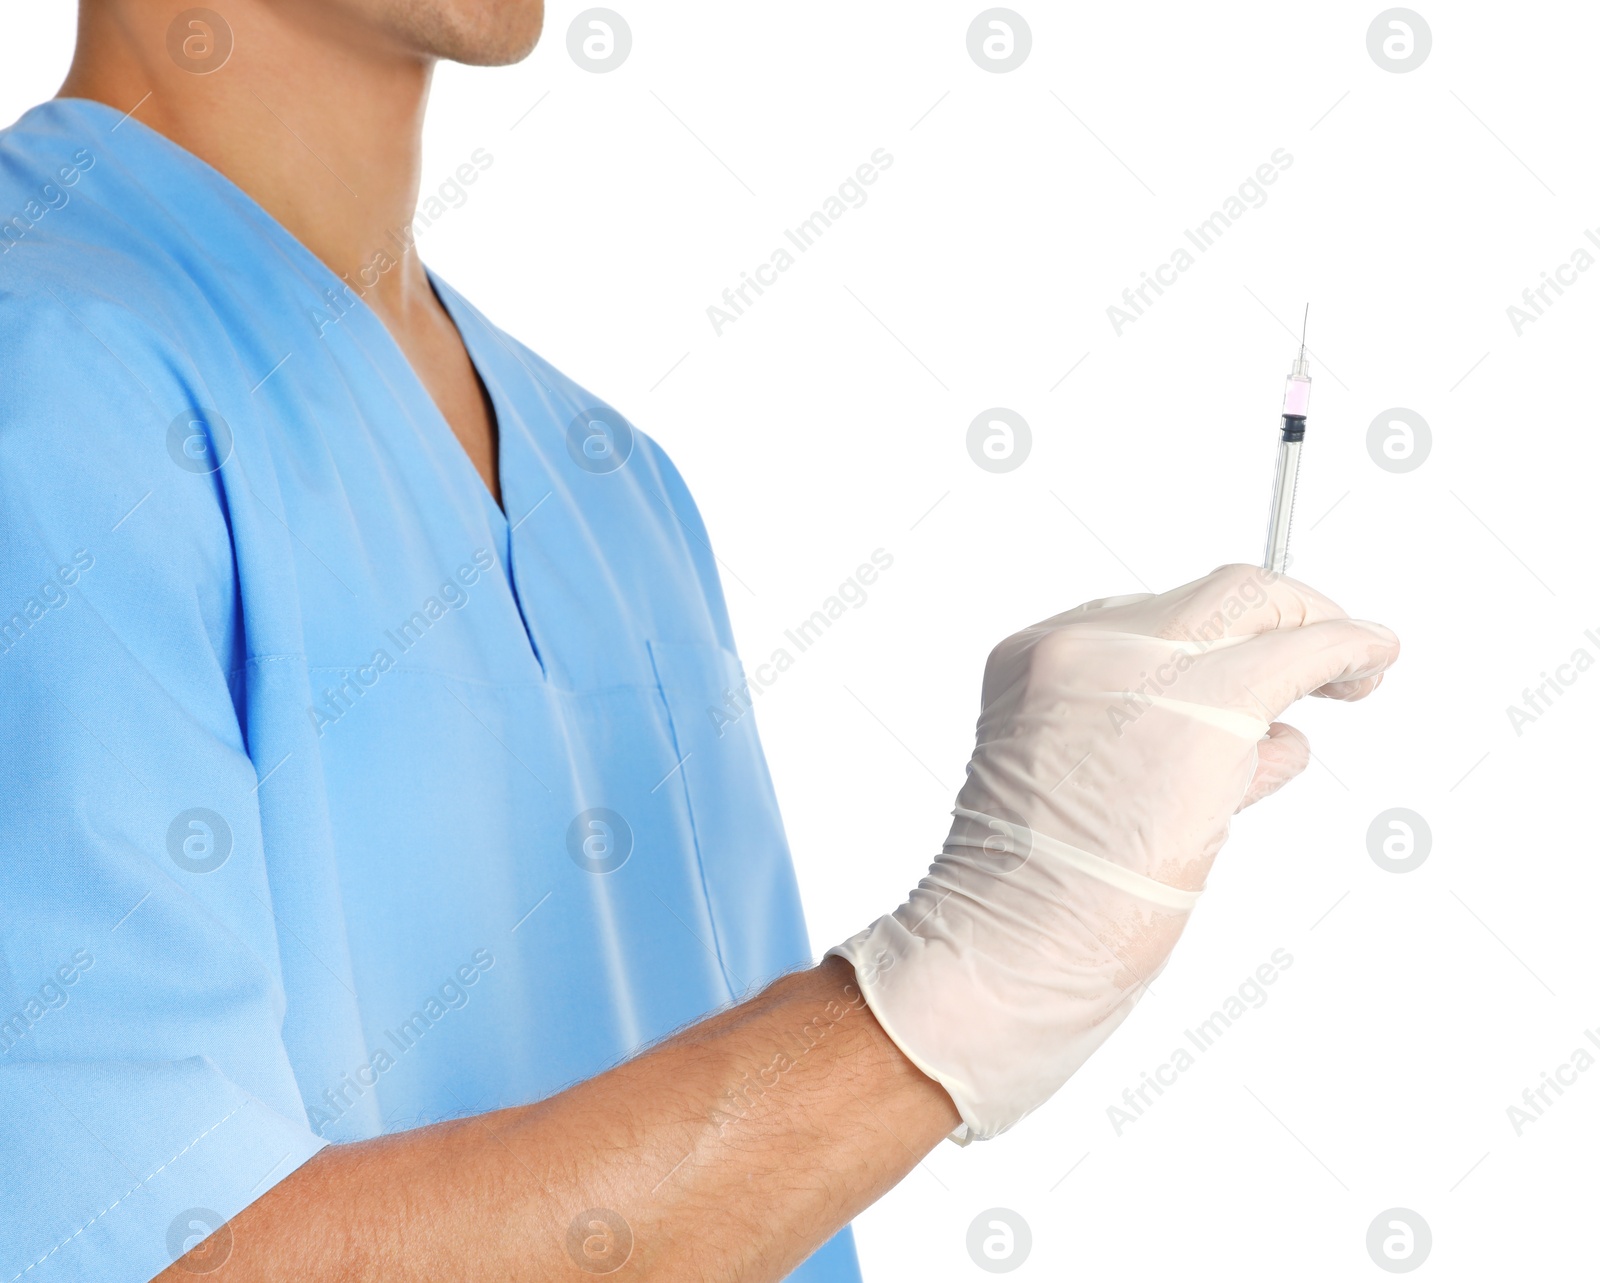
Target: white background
[{"x": 831, "y": 421}]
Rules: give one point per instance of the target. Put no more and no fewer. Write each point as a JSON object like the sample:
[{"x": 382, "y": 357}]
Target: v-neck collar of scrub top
[{"x": 472, "y": 333}]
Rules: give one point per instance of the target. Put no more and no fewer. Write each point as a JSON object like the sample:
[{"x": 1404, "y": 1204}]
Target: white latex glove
[{"x": 1115, "y": 743}]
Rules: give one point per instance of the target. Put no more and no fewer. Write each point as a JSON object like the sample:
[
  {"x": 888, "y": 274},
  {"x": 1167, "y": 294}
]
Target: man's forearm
[{"x": 732, "y": 1151}]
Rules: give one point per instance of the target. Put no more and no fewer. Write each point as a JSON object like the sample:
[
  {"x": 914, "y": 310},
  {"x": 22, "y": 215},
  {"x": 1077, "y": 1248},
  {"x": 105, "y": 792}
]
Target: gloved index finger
[
  {"x": 1270, "y": 672},
  {"x": 1240, "y": 601}
]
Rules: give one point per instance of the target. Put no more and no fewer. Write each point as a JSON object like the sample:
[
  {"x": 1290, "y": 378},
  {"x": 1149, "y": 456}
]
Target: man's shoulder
[
  {"x": 87, "y": 366},
  {"x": 37, "y": 185},
  {"x": 70, "y": 340},
  {"x": 69, "y": 247}
]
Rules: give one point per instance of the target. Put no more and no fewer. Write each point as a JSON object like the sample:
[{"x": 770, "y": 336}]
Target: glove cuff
[{"x": 852, "y": 951}]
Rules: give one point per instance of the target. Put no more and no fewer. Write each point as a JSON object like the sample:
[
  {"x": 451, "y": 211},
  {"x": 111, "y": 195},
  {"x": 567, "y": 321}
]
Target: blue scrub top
[{"x": 333, "y": 801}]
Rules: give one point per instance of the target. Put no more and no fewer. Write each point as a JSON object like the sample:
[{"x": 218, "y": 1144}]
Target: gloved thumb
[{"x": 1282, "y": 755}]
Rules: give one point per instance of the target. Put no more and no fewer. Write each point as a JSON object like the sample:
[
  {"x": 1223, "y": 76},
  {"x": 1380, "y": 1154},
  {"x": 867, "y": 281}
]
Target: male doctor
[{"x": 377, "y": 900}]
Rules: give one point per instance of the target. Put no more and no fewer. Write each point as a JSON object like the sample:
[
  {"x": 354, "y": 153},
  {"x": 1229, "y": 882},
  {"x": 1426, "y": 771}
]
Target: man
[{"x": 358, "y": 789}]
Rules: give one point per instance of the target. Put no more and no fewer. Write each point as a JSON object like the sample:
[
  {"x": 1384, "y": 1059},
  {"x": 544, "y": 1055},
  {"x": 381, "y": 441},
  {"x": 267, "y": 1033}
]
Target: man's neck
[{"x": 320, "y": 127}]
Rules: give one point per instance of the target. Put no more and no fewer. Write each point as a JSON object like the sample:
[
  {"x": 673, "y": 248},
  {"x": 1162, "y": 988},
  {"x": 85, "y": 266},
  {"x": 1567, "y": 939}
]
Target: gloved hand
[{"x": 1115, "y": 743}]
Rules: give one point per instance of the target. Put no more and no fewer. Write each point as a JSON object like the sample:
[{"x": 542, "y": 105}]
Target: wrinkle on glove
[{"x": 1115, "y": 743}]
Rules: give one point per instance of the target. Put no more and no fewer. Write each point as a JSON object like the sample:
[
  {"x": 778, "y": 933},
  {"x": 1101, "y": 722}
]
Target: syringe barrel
[{"x": 1276, "y": 558}]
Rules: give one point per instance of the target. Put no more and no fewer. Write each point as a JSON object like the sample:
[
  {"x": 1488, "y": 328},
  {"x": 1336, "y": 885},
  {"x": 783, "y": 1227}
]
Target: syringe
[{"x": 1296, "y": 400}]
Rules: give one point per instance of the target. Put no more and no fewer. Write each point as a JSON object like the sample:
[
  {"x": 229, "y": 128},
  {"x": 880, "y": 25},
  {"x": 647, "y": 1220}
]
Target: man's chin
[
  {"x": 477, "y": 33},
  {"x": 498, "y": 52}
]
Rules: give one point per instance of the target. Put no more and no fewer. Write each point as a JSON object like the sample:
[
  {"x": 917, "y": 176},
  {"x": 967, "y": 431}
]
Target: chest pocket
[{"x": 738, "y": 832}]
